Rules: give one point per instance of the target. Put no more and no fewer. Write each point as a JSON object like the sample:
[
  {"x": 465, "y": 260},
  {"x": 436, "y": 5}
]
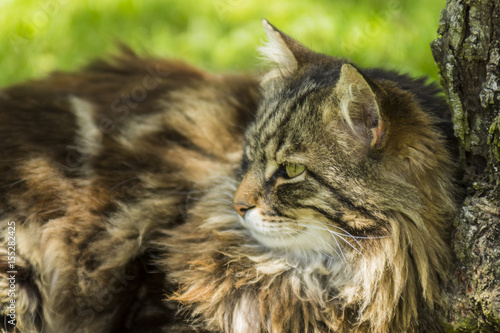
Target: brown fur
[
  {"x": 88, "y": 203},
  {"x": 121, "y": 180}
]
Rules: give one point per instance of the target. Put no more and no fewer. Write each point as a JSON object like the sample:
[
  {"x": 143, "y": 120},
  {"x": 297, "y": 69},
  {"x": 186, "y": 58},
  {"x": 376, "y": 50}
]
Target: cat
[{"x": 148, "y": 196}]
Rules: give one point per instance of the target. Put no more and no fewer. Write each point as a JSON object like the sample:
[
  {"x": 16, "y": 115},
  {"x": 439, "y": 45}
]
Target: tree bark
[{"x": 467, "y": 53}]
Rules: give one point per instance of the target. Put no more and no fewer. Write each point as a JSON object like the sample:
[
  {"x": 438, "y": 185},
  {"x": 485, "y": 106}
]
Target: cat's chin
[{"x": 287, "y": 236}]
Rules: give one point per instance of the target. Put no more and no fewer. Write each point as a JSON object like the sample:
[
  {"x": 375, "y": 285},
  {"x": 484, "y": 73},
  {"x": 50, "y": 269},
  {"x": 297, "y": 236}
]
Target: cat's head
[{"x": 332, "y": 154}]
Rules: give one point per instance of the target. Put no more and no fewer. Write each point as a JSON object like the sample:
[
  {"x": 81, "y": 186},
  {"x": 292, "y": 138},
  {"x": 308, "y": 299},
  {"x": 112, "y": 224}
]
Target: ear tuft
[{"x": 276, "y": 49}]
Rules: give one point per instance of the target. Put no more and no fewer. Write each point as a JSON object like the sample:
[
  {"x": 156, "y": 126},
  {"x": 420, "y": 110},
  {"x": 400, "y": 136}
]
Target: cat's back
[
  {"x": 116, "y": 123},
  {"x": 93, "y": 163}
]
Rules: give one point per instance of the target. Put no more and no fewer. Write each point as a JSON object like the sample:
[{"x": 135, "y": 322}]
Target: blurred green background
[{"x": 219, "y": 35}]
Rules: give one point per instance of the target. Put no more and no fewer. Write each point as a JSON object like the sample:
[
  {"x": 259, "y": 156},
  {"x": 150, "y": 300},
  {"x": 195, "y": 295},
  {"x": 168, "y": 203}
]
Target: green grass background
[{"x": 37, "y": 37}]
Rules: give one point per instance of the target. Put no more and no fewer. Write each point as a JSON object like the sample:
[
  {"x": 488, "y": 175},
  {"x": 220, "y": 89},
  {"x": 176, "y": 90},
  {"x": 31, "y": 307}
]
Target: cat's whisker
[
  {"x": 323, "y": 252},
  {"x": 51, "y": 211},
  {"x": 284, "y": 244},
  {"x": 347, "y": 242},
  {"x": 293, "y": 232},
  {"x": 320, "y": 226},
  {"x": 346, "y": 233},
  {"x": 340, "y": 254},
  {"x": 17, "y": 182},
  {"x": 370, "y": 237},
  {"x": 340, "y": 248},
  {"x": 290, "y": 232},
  {"x": 335, "y": 235}
]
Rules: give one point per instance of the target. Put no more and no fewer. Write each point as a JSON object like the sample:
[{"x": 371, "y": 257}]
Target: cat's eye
[{"x": 293, "y": 170}]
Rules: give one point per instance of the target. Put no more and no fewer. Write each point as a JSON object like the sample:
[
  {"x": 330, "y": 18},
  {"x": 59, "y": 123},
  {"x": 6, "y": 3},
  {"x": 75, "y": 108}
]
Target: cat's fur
[{"x": 122, "y": 178}]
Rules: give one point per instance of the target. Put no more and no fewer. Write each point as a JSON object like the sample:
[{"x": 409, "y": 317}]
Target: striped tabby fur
[{"x": 316, "y": 200}]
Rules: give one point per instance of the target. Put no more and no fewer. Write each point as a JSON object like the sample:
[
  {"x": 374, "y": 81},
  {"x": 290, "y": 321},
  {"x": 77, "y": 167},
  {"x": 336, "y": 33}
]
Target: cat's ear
[
  {"x": 358, "y": 105},
  {"x": 282, "y": 50}
]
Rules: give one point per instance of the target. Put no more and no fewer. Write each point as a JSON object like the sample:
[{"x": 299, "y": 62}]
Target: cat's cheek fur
[
  {"x": 266, "y": 232},
  {"x": 301, "y": 238}
]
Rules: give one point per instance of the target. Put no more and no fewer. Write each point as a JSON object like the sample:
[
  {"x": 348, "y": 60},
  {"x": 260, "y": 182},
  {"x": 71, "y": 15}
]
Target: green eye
[{"x": 293, "y": 170}]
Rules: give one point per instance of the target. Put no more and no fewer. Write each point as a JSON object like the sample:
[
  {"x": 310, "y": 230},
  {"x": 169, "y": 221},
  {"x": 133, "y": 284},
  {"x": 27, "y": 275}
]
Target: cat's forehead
[
  {"x": 310, "y": 78},
  {"x": 289, "y": 125},
  {"x": 286, "y": 101}
]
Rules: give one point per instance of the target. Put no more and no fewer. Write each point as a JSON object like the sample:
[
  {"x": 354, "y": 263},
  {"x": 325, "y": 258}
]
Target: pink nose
[{"x": 241, "y": 208}]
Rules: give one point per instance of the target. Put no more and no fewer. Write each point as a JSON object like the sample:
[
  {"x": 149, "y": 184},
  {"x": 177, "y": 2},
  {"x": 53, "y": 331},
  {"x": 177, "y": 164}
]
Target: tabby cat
[{"x": 143, "y": 195}]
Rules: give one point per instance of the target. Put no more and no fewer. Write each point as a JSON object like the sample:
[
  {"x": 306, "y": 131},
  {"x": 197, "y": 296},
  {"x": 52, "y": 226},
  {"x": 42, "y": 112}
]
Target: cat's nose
[
  {"x": 245, "y": 196},
  {"x": 241, "y": 208}
]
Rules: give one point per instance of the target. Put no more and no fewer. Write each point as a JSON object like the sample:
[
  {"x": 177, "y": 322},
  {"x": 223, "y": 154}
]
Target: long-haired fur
[
  {"x": 377, "y": 265},
  {"x": 121, "y": 181}
]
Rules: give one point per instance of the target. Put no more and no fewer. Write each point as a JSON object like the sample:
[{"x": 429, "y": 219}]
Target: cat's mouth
[
  {"x": 285, "y": 233},
  {"x": 262, "y": 229}
]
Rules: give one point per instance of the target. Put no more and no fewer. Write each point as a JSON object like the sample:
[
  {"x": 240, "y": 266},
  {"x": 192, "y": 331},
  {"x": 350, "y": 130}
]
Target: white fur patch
[
  {"x": 88, "y": 135},
  {"x": 139, "y": 127},
  {"x": 246, "y": 316},
  {"x": 344, "y": 107},
  {"x": 276, "y": 51}
]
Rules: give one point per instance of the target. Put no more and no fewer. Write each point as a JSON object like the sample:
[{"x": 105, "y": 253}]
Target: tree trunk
[{"x": 467, "y": 53}]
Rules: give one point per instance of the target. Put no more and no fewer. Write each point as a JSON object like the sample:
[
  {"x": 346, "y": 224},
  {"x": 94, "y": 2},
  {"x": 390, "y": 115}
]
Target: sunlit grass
[{"x": 220, "y": 35}]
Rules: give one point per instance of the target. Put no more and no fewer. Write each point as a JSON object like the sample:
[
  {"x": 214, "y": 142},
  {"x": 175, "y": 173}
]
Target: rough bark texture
[{"x": 467, "y": 52}]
